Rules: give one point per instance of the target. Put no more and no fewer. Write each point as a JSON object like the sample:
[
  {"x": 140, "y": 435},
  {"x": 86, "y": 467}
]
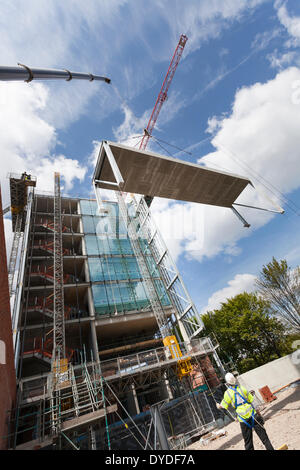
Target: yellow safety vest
[{"x": 241, "y": 401}]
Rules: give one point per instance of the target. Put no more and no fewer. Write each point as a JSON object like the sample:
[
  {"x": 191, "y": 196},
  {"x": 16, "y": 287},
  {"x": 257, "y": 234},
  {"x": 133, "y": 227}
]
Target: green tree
[
  {"x": 280, "y": 285},
  {"x": 247, "y": 331}
]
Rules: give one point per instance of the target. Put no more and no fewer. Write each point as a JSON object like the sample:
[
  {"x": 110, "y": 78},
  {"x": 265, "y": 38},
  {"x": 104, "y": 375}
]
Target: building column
[
  {"x": 132, "y": 400},
  {"x": 136, "y": 402},
  {"x": 183, "y": 332},
  {"x": 167, "y": 392},
  {"x": 91, "y": 306},
  {"x": 160, "y": 428},
  {"x": 219, "y": 363}
]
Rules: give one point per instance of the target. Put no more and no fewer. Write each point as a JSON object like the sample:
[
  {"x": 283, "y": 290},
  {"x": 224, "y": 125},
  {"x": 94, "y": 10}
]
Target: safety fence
[{"x": 154, "y": 357}]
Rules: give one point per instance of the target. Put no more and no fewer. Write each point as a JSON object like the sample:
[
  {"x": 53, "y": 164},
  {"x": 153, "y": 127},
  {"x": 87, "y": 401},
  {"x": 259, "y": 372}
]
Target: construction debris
[
  {"x": 212, "y": 436},
  {"x": 283, "y": 447},
  {"x": 267, "y": 395}
]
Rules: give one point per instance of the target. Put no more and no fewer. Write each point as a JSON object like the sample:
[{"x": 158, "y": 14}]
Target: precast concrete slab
[{"x": 151, "y": 174}]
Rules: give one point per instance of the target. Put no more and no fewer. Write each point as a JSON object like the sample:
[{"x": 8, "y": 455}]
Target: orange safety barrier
[
  {"x": 50, "y": 225},
  {"x": 46, "y": 304},
  {"x": 50, "y": 247},
  {"x": 49, "y": 274},
  {"x": 45, "y": 349}
]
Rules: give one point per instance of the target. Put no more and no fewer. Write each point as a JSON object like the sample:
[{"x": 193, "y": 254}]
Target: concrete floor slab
[{"x": 155, "y": 175}]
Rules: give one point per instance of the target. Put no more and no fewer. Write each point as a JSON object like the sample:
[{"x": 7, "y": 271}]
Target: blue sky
[{"x": 234, "y": 104}]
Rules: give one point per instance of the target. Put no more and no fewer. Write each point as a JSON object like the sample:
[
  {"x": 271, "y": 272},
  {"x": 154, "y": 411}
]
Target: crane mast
[
  {"x": 59, "y": 326},
  {"x": 163, "y": 94}
]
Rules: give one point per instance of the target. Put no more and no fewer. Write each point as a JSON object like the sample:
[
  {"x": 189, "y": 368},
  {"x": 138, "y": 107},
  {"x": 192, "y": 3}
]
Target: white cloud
[
  {"x": 22, "y": 127},
  {"x": 292, "y": 24},
  {"x": 214, "y": 123},
  {"x": 60, "y": 35},
  {"x": 260, "y": 135},
  {"x": 282, "y": 60},
  {"x": 129, "y": 132},
  {"x": 241, "y": 283},
  {"x": 71, "y": 34},
  {"x": 49, "y": 35},
  {"x": 262, "y": 40},
  {"x": 202, "y": 20},
  {"x": 92, "y": 159},
  {"x": 68, "y": 168},
  {"x": 262, "y": 132},
  {"x": 28, "y": 142},
  {"x": 25, "y": 137},
  {"x": 178, "y": 223},
  {"x": 92, "y": 37}
]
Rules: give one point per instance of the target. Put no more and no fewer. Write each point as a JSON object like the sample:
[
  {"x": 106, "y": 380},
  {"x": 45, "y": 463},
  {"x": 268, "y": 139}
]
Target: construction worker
[
  {"x": 249, "y": 418},
  {"x": 25, "y": 176}
]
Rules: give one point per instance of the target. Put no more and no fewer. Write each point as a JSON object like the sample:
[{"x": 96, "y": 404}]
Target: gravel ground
[{"x": 282, "y": 423}]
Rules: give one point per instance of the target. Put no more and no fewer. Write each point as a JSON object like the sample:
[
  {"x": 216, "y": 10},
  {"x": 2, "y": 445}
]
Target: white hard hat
[{"x": 230, "y": 379}]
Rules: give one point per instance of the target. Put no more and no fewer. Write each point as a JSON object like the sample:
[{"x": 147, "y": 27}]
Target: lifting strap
[{"x": 244, "y": 401}]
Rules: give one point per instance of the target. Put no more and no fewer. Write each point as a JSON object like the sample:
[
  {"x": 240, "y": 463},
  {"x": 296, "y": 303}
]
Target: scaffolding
[
  {"x": 74, "y": 405},
  {"x": 87, "y": 394},
  {"x": 19, "y": 185},
  {"x": 77, "y": 403}
]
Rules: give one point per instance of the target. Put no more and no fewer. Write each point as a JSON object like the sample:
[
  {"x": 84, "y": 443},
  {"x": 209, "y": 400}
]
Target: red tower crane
[
  {"x": 164, "y": 91},
  {"x": 163, "y": 94}
]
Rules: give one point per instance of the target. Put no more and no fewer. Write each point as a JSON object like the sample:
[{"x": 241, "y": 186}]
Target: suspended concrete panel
[{"x": 151, "y": 174}]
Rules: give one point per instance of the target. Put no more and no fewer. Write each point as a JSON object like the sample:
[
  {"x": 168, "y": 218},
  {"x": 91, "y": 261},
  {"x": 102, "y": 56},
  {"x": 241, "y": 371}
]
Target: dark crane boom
[{"x": 27, "y": 74}]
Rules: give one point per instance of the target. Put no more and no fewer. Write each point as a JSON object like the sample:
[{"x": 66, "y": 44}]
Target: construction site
[
  {"x": 105, "y": 347},
  {"x": 124, "y": 335}
]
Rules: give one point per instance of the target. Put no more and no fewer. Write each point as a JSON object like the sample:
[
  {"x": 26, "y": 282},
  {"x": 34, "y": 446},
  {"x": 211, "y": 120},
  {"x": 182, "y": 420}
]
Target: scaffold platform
[{"x": 18, "y": 194}]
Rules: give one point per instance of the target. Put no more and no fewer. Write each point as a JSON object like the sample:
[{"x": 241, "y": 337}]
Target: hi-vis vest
[{"x": 241, "y": 401}]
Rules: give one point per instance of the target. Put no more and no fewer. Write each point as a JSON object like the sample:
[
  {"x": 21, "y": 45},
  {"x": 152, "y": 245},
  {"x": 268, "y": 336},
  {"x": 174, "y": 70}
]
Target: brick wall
[{"x": 7, "y": 370}]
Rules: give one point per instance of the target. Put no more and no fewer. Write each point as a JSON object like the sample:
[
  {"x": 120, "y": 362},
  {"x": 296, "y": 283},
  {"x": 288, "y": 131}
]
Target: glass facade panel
[
  {"x": 122, "y": 297},
  {"x": 113, "y": 246},
  {"x": 88, "y": 224},
  {"x": 163, "y": 296},
  {"x": 96, "y": 273},
  {"x": 140, "y": 294},
  {"x": 125, "y": 246},
  {"x": 111, "y": 261},
  {"x": 100, "y": 299},
  {"x": 85, "y": 207},
  {"x": 152, "y": 266},
  {"x": 101, "y": 245},
  {"x": 113, "y": 269},
  {"x": 91, "y": 245}
]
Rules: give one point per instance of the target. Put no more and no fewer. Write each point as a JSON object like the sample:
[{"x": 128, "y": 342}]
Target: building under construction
[{"x": 109, "y": 350}]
